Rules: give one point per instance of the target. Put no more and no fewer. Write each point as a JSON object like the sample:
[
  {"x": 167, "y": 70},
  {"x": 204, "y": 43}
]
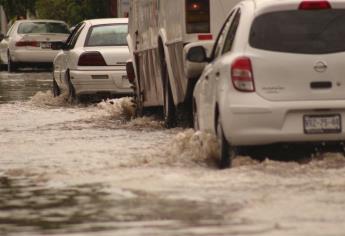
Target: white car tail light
[
  {"x": 205, "y": 37},
  {"x": 314, "y": 5},
  {"x": 242, "y": 75},
  {"x": 91, "y": 59},
  {"x": 27, "y": 44}
]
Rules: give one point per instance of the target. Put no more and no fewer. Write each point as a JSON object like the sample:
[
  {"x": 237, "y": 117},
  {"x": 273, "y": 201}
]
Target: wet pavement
[{"x": 76, "y": 169}]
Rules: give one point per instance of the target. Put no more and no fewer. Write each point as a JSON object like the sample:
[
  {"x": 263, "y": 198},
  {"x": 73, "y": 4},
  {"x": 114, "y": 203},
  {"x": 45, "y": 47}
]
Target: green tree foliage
[
  {"x": 72, "y": 11},
  {"x": 16, "y": 8}
]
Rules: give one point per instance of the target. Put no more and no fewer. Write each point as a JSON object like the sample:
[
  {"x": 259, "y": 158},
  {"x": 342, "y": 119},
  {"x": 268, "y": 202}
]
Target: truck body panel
[{"x": 158, "y": 32}]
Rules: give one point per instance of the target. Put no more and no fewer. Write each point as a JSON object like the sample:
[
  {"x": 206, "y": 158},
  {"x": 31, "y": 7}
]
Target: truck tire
[
  {"x": 138, "y": 99},
  {"x": 169, "y": 109}
]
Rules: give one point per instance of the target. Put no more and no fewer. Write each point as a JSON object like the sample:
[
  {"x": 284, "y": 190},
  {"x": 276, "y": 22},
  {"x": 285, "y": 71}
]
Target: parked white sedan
[
  {"x": 30, "y": 42},
  {"x": 276, "y": 77},
  {"x": 93, "y": 60}
]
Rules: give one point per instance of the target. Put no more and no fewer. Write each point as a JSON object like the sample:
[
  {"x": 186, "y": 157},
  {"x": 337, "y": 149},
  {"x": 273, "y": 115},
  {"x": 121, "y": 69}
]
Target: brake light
[
  {"x": 205, "y": 37},
  {"x": 198, "y": 16},
  {"x": 91, "y": 59},
  {"x": 242, "y": 75},
  {"x": 27, "y": 44},
  {"x": 314, "y": 5}
]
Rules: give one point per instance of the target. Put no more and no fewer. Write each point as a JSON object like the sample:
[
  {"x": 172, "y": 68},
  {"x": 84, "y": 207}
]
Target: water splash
[
  {"x": 44, "y": 99},
  {"x": 186, "y": 149},
  {"x": 120, "y": 109}
]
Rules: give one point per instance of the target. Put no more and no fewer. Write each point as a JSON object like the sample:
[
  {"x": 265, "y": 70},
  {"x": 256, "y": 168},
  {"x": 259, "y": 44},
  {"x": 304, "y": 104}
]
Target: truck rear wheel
[
  {"x": 138, "y": 102},
  {"x": 169, "y": 109}
]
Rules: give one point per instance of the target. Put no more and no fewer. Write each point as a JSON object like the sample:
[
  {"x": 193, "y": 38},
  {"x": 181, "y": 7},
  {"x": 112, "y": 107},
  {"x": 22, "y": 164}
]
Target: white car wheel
[
  {"x": 195, "y": 117},
  {"x": 11, "y": 66},
  {"x": 226, "y": 151},
  {"x": 55, "y": 88}
]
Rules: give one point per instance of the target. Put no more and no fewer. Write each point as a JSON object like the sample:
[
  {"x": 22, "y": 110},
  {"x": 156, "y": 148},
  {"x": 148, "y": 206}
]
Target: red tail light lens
[
  {"x": 91, "y": 59},
  {"x": 314, "y": 5},
  {"x": 27, "y": 44},
  {"x": 242, "y": 75},
  {"x": 205, "y": 37}
]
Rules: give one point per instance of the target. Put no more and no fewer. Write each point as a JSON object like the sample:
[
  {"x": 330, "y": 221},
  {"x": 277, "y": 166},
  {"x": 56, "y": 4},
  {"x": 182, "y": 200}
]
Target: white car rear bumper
[
  {"x": 93, "y": 82},
  {"x": 259, "y": 122},
  {"x": 33, "y": 56}
]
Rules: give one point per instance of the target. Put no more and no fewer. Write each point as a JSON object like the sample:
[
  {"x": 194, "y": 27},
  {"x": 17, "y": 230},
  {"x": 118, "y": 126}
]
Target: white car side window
[
  {"x": 72, "y": 39},
  {"x": 10, "y": 31},
  {"x": 221, "y": 36},
  {"x": 230, "y": 37}
]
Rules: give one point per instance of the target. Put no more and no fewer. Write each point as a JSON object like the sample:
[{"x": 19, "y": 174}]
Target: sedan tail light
[
  {"x": 27, "y": 44},
  {"x": 242, "y": 75},
  {"x": 314, "y": 5},
  {"x": 205, "y": 37},
  {"x": 91, "y": 59}
]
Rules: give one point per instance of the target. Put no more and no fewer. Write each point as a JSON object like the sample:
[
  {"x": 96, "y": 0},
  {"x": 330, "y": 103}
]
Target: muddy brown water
[{"x": 73, "y": 169}]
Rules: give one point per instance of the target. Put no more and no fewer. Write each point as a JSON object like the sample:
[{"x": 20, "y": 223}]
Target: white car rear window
[
  {"x": 107, "y": 35},
  {"x": 43, "y": 27},
  {"x": 300, "y": 31}
]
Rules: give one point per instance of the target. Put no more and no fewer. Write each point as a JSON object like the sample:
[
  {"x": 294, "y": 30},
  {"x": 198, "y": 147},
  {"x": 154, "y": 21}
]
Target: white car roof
[
  {"x": 107, "y": 21},
  {"x": 265, "y": 3},
  {"x": 41, "y": 20}
]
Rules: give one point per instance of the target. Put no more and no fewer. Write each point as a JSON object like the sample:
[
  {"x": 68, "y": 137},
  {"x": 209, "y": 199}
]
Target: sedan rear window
[
  {"x": 42, "y": 27},
  {"x": 107, "y": 35},
  {"x": 307, "y": 32}
]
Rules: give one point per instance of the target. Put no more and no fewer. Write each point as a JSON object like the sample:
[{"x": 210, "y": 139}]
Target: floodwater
[{"x": 75, "y": 170}]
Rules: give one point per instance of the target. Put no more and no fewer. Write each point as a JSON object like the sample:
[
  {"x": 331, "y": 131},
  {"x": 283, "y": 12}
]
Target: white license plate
[
  {"x": 322, "y": 124},
  {"x": 46, "y": 45}
]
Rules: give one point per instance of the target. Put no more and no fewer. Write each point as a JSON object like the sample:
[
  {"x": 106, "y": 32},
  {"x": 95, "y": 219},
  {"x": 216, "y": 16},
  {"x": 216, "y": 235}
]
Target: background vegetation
[{"x": 71, "y": 11}]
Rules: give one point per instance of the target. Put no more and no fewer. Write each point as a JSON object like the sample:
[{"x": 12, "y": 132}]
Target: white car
[
  {"x": 30, "y": 42},
  {"x": 276, "y": 76},
  {"x": 93, "y": 60}
]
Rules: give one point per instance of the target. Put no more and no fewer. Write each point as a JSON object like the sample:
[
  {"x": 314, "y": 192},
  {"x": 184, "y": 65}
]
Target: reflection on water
[
  {"x": 22, "y": 86},
  {"x": 31, "y": 208}
]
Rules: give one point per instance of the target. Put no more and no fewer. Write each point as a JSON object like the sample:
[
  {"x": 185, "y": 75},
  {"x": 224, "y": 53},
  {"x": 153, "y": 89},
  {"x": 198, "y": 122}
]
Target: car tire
[
  {"x": 55, "y": 88},
  {"x": 226, "y": 151},
  {"x": 138, "y": 99},
  {"x": 3, "y": 67},
  {"x": 169, "y": 109},
  {"x": 195, "y": 116},
  {"x": 11, "y": 65},
  {"x": 72, "y": 97}
]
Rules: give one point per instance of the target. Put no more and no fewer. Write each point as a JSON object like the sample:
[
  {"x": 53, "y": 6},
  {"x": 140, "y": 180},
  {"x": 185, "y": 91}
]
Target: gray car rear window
[
  {"x": 42, "y": 27},
  {"x": 107, "y": 35},
  {"x": 301, "y": 31}
]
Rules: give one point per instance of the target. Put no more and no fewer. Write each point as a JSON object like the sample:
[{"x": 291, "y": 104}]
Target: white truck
[{"x": 160, "y": 31}]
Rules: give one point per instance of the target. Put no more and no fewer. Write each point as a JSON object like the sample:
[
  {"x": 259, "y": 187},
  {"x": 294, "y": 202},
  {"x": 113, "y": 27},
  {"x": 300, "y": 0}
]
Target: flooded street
[{"x": 74, "y": 169}]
